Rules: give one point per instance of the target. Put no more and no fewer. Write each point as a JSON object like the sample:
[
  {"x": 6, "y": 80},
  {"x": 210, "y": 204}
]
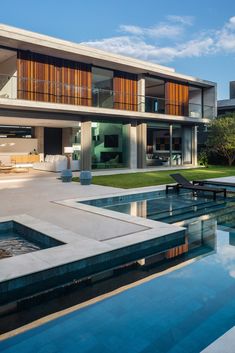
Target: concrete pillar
[
  {"x": 171, "y": 134},
  {"x": 141, "y": 93},
  {"x": 141, "y": 145},
  {"x": 194, "y": 145},
  {"x": 86, "y": 145},
  {"x": 67, "y": 134},
  {"x": 129, "y": 146},
  {"x": 39, "y": 135},
  {"x": 133, "y": 145}
]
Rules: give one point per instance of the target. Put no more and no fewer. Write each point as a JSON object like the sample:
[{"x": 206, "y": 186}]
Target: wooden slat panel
[
  {"x": 125, "y": 91},
  {"x": 177, "y": 99},
  {"x": 50, "y": 79}
]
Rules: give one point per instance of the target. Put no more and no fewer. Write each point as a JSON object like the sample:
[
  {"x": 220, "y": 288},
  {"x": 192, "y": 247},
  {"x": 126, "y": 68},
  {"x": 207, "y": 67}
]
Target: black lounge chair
[
  {"x": 183, "y": 183},
  {"x": 218, "y": 183}
]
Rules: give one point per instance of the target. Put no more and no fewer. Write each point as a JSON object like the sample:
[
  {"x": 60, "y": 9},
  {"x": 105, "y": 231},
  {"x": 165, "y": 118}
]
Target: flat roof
[
  {"x": 16, "y": 38},
  {"x": 226, "y": 103}
]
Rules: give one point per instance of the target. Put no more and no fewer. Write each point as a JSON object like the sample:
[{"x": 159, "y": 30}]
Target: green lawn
[{"x": 135, "y": 180}]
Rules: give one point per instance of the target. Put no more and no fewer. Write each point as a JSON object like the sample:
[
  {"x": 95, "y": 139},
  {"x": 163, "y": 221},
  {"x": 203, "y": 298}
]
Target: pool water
[
  {"x": 170, "y": 208},
  {"x": 12, "y": 244},
  {"x": 18, "y": 239},
  {"x": 182, "y": 311}
]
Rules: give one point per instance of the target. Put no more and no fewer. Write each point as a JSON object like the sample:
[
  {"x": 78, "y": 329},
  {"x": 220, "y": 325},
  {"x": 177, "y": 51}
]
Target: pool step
[
  {"x": 182, "y": 211},
  {"x": 178, "y": 210},
  {"x": 190, "y": 214}
]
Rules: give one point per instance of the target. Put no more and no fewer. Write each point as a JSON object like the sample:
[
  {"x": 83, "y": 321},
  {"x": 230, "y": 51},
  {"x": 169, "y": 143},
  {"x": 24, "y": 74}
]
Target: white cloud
[
  {"x": 163, "y": 30},
  {"x": 146, "y": 42},
  {"x": 231, "y": 23},
  {"x": 185, "y": 20}
]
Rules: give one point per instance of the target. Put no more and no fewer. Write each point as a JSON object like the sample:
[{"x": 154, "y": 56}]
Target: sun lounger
[{"x": 183, "y": 183}]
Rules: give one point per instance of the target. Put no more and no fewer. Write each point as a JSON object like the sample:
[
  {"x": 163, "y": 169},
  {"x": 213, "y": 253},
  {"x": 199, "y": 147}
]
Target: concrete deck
[
  {"x": 50, "y": 207},
  {"x": 224, "y": 344}
]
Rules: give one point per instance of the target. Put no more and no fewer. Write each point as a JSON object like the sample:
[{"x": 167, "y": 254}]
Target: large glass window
[
  {"x": 76, "y": 142},
  {"x": 187, "y": 145},
  {"x": 168, "y": 144},
  {"x": 195, "y": 102},
  {"x": 102, "y": 87},
  {"x": 158, "y": 144},
  {"x": 176, "y": 145},
  {"x": 154, "y": 95},
  {"x": 15, "y": 131},
  {"x": 109, "y": 145}
]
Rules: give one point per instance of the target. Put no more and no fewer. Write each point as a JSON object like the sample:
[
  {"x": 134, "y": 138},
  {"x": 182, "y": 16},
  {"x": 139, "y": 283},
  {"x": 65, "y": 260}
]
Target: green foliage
[
  {"x": 221, "y": 137},
  {"x": 203, "y": 158}
]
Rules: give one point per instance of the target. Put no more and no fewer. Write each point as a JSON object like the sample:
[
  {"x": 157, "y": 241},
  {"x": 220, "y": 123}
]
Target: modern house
[
  {"x": 228, "y": 105},
  {"x": 115, "y": 111}
]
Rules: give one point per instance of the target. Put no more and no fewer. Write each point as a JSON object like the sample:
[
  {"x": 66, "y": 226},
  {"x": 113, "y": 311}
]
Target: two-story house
[{"x": 115, "y": 111}]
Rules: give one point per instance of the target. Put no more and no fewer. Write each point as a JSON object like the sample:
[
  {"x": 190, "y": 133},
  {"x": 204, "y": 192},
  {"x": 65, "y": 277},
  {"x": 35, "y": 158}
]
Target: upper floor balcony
[{"x": 25, "y": 88}]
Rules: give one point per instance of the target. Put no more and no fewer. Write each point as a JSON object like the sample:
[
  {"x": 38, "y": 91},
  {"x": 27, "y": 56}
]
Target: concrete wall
[
  {"x": 39, "y": 135},
  {"x": 17, "y": 145},
  {"x": 8, "y": 87}
]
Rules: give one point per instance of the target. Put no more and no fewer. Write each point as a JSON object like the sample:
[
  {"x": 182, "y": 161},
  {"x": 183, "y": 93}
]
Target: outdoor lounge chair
[
  {"x": 218, "y": 183},
  {"x": 183, "y": 183}
]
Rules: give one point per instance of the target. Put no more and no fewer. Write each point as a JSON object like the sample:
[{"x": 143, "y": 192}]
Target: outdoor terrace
[{"x": 54, "y": 92}]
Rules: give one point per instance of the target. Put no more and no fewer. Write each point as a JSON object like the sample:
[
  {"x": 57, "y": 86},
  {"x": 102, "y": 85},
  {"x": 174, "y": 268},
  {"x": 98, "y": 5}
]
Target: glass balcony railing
[{"x": 14, "y": 87}]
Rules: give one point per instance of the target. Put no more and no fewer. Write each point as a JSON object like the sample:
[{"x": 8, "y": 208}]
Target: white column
[
  {"x": 141, "y": 145},
  {"x": 86, "y": 144},
  {"x": 141, "y": 93},
  {"x": 133, "y": 146},
  {"x": 194, "y": 145},
  {"x": 171, "y": 134}
]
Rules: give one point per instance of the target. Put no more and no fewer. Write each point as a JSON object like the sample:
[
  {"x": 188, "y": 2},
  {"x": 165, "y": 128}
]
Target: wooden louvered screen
[
  {"x": 49, "y": 79},
  {"x": 177, "y": 99},
  {"x": 76, "y": 83},
  {"x": 125, "y": 91}
]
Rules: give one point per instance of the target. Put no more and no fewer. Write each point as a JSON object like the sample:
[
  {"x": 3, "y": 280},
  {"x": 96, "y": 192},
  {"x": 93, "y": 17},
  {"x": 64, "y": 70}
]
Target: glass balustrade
[{"x": 14, "y": 87}]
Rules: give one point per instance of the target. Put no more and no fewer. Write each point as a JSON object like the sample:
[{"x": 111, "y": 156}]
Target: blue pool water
[{"x": 180, "y": 312}]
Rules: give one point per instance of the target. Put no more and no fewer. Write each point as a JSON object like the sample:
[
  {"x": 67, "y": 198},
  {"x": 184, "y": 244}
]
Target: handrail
[{"x": 100, "y": 97}]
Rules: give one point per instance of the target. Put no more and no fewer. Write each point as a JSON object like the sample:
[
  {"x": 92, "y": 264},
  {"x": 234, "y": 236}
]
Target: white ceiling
[
  {"x": 6, "y": 54},
  {"x": 37, "y": 122}
]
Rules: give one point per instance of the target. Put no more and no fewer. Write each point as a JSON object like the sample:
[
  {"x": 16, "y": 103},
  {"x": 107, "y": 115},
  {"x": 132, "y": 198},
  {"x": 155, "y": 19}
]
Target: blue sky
[{"x": 195, "y": 37}]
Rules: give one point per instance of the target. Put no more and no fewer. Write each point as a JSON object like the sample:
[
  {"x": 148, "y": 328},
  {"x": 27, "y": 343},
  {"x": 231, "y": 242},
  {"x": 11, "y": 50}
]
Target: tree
[{"x": 221, "y": 137}]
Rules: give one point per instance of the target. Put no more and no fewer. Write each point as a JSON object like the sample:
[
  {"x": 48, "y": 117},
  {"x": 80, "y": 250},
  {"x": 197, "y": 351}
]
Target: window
[
  {"x": 111, "y": 141},
  {"x": 102, "y": 87}
]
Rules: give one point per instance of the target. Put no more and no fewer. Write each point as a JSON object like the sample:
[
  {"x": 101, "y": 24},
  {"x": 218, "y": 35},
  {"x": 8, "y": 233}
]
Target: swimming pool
[{"x": 182, "y": 311}]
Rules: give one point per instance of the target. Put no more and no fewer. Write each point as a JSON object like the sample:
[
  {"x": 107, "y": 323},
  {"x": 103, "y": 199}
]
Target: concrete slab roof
[
  {"x": 15, "y": 38},
  {"x": 226, "y": 103}
]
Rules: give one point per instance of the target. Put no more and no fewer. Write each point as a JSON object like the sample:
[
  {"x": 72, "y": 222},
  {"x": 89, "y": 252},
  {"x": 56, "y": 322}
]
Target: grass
[{"x": 135, "y": 180}]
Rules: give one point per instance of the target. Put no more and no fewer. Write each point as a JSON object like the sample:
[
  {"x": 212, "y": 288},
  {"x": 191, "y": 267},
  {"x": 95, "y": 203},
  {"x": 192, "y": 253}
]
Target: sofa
[{"x": 56, "y": 163}]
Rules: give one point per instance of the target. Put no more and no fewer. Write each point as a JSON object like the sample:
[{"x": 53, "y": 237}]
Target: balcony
[
  {"x": 164, "y": 106},
  {"x": 13, "y": 87}
]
